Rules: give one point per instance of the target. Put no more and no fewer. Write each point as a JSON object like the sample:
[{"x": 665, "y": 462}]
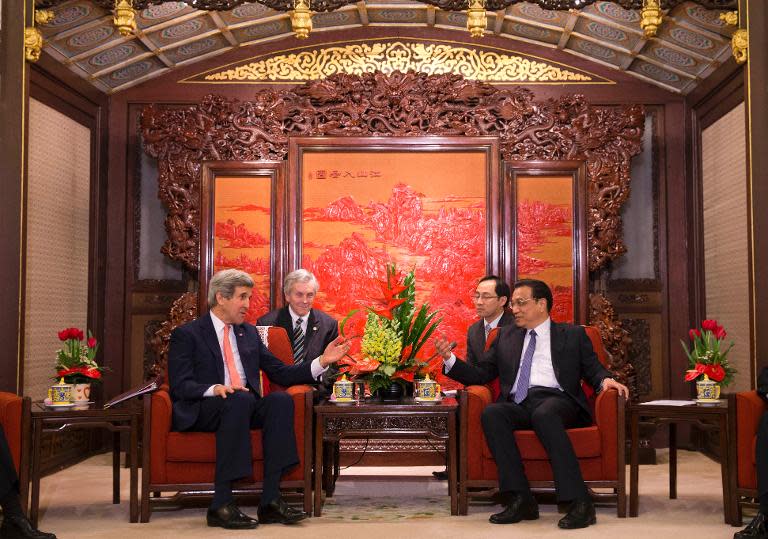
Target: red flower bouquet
[
  {"x": 75, "y": 360},
  {"x": 394, "y": 334},
  {"x": 708, "y": 355}
]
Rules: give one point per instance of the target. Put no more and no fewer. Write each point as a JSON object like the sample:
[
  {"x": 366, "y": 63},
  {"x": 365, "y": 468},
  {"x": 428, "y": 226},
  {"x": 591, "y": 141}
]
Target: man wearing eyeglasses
[
  {"x": 491, "y": 299},
  {"x": 540, "y": 365}
]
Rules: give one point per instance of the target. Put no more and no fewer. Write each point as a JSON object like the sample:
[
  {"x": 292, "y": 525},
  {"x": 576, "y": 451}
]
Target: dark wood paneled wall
[
  {"x": 13, "y": 108},
  {"x": 670, "y": 111}
]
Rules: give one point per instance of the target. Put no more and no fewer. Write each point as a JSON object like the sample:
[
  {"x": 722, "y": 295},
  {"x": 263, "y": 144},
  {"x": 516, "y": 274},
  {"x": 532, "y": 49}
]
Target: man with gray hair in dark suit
[{"x": 310, "y": 330}]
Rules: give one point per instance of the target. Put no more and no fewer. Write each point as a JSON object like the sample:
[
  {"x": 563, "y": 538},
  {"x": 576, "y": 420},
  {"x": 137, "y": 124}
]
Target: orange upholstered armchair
[
  {"x": 748, "y": 408},
  {"x": 15, "y": 419},
  {"x": 184, "y": 462},
  {"x": 599, "y": 448}
]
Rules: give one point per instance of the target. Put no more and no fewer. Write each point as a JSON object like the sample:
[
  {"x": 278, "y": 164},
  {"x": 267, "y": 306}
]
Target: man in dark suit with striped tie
[
  {"x": 540, "y": 365},
  {"x": 311, "y": 330}
]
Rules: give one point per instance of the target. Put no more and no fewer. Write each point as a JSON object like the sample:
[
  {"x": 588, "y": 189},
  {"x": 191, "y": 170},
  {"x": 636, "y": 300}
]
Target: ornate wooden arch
[{"x": 397, "y": 105}]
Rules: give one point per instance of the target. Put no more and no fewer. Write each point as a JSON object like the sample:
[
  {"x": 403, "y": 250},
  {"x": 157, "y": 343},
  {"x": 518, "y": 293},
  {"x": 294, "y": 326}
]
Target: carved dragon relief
[
  {"x": 397, "y": 105},
  {"x": 400, "y": 104}
]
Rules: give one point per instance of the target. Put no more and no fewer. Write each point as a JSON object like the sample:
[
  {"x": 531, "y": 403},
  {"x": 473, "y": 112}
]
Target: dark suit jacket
[
  {"x": 321, "y": 330},
  {"x": 476, "y": 336},
  {"x": 195, "y": 363},
  {"x": 573, "y": 358},
  {"x": 762, "y": 384}
]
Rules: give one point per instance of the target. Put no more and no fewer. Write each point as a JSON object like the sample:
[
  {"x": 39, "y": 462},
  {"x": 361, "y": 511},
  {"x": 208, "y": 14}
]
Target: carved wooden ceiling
[{"x": 691, "y": 43}]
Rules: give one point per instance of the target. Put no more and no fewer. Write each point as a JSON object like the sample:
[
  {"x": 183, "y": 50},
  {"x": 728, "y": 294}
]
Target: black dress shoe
[
  {"x": 230, "y": 517},
  {"x": 757, "y": 529},
  {"x": 441, "y": 475},
  {"x": 519, "y": 508},
  {"x": 18, "y": 527},
  {"x": 580, "y": 515},
  {"x": 280, "y": 512}
]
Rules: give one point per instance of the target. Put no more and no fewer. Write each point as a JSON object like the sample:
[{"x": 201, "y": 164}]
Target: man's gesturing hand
[{"x": 335, "y": 350}]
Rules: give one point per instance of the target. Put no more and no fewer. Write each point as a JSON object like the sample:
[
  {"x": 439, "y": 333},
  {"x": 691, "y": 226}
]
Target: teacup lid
[
  {"x": 427, "y": 380},
  {"x": 60, "y": 383},
  {"x": 343, "y": 380}
]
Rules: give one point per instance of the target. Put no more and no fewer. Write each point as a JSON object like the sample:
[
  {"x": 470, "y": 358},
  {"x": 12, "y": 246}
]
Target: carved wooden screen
[
  {"x": 241, "y": 223},
  {"x": 403, "y": 106},
  {"x": 545, "y": 208},
  {"x": 420, "y": 202}
]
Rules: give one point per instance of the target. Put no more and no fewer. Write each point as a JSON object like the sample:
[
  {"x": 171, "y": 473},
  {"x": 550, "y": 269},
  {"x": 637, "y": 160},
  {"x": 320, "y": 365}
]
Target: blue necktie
[{"x": 524, "y": 379}]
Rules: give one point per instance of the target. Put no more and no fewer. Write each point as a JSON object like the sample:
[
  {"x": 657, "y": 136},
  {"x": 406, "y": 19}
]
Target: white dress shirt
[
  {"x": 304, "y": 322},
  {"x": 542, "y": 370},
  {"x": 493, "y": 324}
]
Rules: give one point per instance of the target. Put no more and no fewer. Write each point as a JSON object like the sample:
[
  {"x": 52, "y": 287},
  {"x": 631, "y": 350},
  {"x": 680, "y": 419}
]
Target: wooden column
[
  {"x": 14, "y": 88},
  {"x": 754, "y": 17}
]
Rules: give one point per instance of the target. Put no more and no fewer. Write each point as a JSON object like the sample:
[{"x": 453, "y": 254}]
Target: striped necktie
[
  {"x": 487, "y": 331},
  {"x": 524, "y": 379},
  {"x": 298, "y": 342}
]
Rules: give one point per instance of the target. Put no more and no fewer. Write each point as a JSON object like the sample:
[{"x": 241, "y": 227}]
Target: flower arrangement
[
  {"x": 75, "y": 360},
  {"x": 708, "y": 356},
  {"x": 394, "y": 334}
]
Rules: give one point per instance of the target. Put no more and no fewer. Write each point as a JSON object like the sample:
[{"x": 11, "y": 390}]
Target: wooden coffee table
[{"x": 373, "y": 419}]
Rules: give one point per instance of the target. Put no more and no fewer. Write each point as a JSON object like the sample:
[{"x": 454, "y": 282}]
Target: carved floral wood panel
[
  {"x": 398, "y": 105},
  {"x": 411, "y": 104}
]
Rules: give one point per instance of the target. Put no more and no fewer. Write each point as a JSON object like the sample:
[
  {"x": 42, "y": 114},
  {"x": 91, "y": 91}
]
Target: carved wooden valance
[{"x": 395, "y": 105}]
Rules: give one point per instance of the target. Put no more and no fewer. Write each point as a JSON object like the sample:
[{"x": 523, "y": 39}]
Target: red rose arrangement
[
  {"x": 708, "y": 355},
  {"x": 76, "y": 359}
]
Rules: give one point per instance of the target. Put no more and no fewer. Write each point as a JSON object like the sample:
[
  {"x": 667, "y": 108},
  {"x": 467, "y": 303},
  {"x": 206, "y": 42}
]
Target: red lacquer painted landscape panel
[
  {"x": 423, "y": 210},
  {"x": 545, "y": 237},
  {"x": 242, "y": 233}
]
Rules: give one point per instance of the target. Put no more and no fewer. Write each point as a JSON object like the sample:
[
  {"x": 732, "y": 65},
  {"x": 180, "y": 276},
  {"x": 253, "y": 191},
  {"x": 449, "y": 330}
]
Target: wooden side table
[
  {"x": 373, "y": 419},
  {"x": 115, "y": 420},
  {"x": 714, "y": 417}
]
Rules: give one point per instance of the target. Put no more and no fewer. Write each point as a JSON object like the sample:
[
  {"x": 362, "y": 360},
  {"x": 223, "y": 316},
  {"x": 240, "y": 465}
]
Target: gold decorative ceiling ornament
[
  {"x": 33, "y": 38},
  {"x": 739, "y": 39},
  {"x": 651, "y": 18},
  {"x": 433, "y": 58},
  {"x": 124, "y": 17},
  {"x": 731, "y": 18},
  {"x": 477, "y": 20},
  {"x": 301, "y": 19},
  {"x": 740, "y": 46}
]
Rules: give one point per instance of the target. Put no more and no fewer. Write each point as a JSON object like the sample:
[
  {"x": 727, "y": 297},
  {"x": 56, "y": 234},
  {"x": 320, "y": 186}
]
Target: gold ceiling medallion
[
  {"x": 651, "y": 18},
  {"x": 124, "y": 17},
  {"x": 739, "y": 39},
  {"x": 33, "y": 39},
  {"x": 301, "y": 19},
  {"x": 477, "y": 20},
  {"x": 740, "y": 46},
  {"x": 433, "y": 58}
]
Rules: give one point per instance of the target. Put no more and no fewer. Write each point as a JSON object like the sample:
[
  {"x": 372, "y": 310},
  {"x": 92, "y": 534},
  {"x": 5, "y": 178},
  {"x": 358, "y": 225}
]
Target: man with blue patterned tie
[{"x": 540, "y": 365}]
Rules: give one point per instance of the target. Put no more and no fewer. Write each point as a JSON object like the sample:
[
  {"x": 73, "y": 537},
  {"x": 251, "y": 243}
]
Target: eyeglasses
[
  {"x": 520, "y": 302},
  {"x": 483, "y": 297}
]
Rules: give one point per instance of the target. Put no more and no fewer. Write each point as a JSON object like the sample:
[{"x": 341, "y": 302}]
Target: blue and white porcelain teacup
[
  {"x": 342, "y": 389},
  {"x": 426, "y": 389},
  {"x": 60, "y": 393}
]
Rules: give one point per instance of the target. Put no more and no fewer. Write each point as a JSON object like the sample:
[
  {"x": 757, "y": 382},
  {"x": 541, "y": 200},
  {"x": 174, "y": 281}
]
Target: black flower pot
[{"x": 393, "y": 393}]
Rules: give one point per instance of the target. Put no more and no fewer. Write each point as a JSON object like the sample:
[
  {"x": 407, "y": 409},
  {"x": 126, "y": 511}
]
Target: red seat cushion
[
  {"x": 586, "y": 444},
  {"x": 201, "y": 446}
]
